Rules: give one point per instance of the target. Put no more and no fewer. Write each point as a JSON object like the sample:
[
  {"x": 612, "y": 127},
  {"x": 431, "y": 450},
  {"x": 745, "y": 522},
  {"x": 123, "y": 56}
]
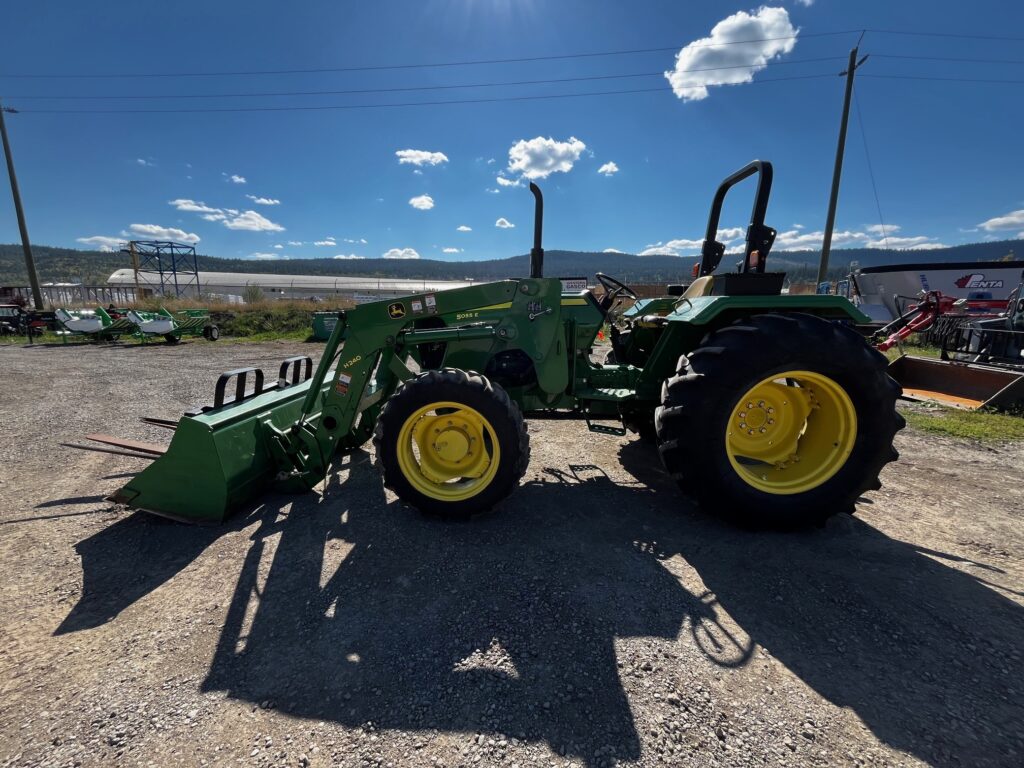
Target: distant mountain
[{"x": 94, "y": 267}]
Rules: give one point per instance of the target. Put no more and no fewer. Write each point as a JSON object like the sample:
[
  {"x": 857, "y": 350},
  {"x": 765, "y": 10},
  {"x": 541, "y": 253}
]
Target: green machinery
[
  {"x": 174, "y": 327},
  {"x": 767, "y": 409}
]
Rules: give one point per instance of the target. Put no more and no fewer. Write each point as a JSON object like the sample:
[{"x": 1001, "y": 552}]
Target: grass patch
[
  {"x": 913, "y": 346},
  {"x": 296, "y": 335},
  {"x": 971, "y": 425}
]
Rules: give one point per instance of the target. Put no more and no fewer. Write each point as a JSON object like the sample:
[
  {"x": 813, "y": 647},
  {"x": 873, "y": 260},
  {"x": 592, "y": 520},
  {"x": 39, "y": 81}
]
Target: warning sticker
[
  {"x": 431, "y": 303},
  {"x": 341, "y": 387},
  {"x": 417, "y": 306}
]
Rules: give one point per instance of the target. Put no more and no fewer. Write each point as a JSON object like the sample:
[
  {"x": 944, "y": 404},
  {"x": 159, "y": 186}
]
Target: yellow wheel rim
[
  {"x": 791, "y": 432},
  {"x": 448, "y": 451}
]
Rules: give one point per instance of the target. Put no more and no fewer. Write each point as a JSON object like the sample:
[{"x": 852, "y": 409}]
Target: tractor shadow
[
  {"x": 354, "y": 610},
  {"x": 507, "y": 625}
]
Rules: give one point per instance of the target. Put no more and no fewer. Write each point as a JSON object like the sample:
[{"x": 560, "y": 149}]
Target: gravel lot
[{"x": 595, "y": 618}]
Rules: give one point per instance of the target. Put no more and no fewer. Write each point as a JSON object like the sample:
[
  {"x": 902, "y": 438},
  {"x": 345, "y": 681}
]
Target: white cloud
[
  {"x": 422, "y": 202},
  {"x": 769, "y": 26},
  {"x": 798, "y": 226},
  {"x": 503, "y": 182},
  {"x": 420, "y": 157},
  {"x": 805, "y": 3},
  {"x": 400, "y": 253},
  {"x": 451, "y": 250},
  {"x": 164, "y": 233},
  {"x": 263, "y": 200},
  {"x": 1012, "y": 220},
  {"x": 919, "y": 243},
  {"x": 295, "y": 242},
  {"x": 794, "y": 240},
  {"x": 252, "y": 222},
  {"x": 231, "y": 217},
  {"x": 612, "y": 250},
  {"x": 105, "y": 244},
  {"x": 193, "y": 206},
  {"x": 326, "y": 241},
  {"x": 417, "y": 172},
  {"x": 144, "y": 162},
  {"x": 672, "y": 247},
  {"x": 503, "y": 223},
  {"x": 538, "y": 158},
  {"x": 266, "y": 256},
  {"x": 730, "y": 233},
  {"x": 349, "y": 256},
  {"x": 278, "y": 246},
  {"x": 463, "y": 228},
  {"x": 884, "y": 229},
  {"x": 234, "y": 178},
  {"x": 360, "y": 241},
  {"x": 608, "y": 169},
  {"x": 493, "y": 191}
]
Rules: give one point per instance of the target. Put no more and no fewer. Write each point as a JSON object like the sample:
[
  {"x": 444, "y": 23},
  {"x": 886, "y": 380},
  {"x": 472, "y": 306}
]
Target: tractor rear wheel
[
  {"x": 451, "y": 443},
  {"x": 779, "y": 421}
]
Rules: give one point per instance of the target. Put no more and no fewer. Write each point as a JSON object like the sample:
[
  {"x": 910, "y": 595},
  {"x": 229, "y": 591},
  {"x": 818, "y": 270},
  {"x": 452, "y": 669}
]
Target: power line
[
  {"x": 945, "y": 79},
  {"x": 392, "y": 105},
  {"x": 659, "y": 73},
  {"x": 963, "y": 36},
  {"x": 374, "y": 68},
  {"x": 871, "y": 170},
  {"x": 947, "y": 58}
]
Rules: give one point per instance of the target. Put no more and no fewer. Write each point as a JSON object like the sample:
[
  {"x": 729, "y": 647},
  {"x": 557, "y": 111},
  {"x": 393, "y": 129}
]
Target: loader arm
[{"x": 285, "y": 433}]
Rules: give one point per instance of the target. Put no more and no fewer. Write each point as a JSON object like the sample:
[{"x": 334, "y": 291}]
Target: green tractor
[{"x": 769, "y": 410}]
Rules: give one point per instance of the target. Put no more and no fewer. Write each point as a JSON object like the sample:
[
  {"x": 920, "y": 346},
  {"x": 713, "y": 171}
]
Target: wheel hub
[
  {"x": 782, "y": 420},
  {"x": 450, "y": 446}
]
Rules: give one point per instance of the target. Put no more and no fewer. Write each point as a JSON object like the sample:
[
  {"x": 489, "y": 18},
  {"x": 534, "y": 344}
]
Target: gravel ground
[{"x": 595, "y": 618}]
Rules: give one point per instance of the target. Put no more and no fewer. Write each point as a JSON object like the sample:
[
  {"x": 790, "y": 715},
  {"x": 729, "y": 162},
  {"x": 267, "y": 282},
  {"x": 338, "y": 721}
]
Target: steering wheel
[{"x": 613, "y": 288}]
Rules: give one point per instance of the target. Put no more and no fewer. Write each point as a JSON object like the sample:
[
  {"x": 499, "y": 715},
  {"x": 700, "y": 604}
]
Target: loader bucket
[
  {"x": 961, "y": 385},
  {"x": 219, "y": 457}
]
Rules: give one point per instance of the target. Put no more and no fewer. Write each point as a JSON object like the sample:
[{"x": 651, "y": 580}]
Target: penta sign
[{"x": 977, "y": 280}]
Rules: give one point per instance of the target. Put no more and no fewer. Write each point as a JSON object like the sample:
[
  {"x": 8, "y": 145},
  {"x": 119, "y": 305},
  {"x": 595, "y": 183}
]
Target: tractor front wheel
[
  {"x": 451, "y": 443},
  {"x": 779, "y": 421}
]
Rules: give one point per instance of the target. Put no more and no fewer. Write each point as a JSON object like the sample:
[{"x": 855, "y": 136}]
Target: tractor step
[{"x": 605, "y": 429}]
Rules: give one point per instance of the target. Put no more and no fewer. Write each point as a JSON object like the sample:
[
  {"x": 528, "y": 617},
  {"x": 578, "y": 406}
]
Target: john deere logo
[{"x": 396, "y": 310}]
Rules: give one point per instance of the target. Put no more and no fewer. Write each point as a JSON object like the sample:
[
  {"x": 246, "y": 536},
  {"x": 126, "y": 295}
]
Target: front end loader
[{"x": 770, "y": 410}]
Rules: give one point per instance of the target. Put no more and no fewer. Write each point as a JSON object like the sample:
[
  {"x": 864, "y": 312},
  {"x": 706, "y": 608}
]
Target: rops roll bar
[{"x": 759, "y": 237}]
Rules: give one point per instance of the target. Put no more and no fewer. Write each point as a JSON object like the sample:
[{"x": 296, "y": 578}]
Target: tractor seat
[{"x": 700, "y": 287}]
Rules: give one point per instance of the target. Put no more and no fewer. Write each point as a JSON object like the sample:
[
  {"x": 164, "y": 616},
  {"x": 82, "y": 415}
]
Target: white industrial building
[{"x": 234, "y": 284}]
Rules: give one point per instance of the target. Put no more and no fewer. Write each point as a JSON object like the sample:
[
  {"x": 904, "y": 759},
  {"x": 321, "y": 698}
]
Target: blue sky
[{"x": 272, "y": 184}]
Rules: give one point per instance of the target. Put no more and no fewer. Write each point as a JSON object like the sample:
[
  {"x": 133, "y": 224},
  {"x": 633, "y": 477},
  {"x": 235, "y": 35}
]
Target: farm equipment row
[
  {"x": 767, "y": 409},
  {"x": 981, "y": 358},
  {"x": 111, "y": 324}
]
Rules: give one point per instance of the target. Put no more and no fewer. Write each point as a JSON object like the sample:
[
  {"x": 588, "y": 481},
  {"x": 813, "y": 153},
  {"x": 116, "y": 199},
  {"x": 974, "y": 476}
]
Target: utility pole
[
  {"x": 837, "y": 172},
  {"x": 30, "y": 264}
]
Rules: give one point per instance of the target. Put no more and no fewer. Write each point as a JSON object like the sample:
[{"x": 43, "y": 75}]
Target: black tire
[
  {"x": 211, "y": 333},
  {"x": 698, "y": 402},
  {"x": 476, "y": 392},
  {"x": 170, "y": 338}
]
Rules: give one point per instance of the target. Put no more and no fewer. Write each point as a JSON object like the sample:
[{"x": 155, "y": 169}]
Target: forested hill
[{"x": 71, "y": 265}]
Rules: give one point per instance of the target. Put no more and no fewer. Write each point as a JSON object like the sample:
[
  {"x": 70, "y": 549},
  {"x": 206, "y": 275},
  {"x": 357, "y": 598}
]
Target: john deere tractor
[{"x": 767, "y": 409}]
